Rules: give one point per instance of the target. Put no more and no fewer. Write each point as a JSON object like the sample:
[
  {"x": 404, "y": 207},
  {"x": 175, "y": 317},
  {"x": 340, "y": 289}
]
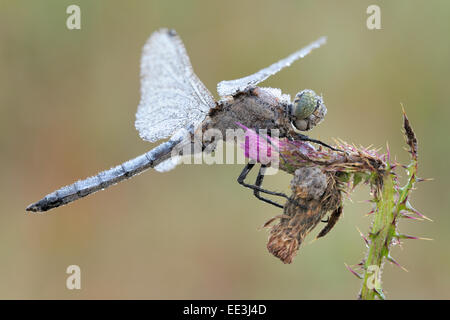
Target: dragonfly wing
[
  {"x": 230, "y": 87},
  {"x": 172, "y": 96}
]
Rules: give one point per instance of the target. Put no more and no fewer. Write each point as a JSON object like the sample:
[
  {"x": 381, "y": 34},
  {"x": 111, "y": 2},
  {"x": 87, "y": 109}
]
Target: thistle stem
[
  {"x": 380, "y": 238},
  {"x": 390, "y": 202}
]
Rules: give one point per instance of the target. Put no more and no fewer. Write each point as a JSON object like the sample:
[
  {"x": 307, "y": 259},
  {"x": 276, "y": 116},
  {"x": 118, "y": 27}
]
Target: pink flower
[{"x": 262, "y": 149}]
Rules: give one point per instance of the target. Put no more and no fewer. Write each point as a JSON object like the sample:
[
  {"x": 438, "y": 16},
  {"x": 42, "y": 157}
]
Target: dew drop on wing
[
  {"x": 172, "y": 96},
  {"x": 230, "y": 87}
]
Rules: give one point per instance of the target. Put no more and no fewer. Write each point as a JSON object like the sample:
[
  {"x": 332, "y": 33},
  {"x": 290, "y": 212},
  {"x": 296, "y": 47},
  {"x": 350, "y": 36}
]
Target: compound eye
[{"x": 305, "y": 103}]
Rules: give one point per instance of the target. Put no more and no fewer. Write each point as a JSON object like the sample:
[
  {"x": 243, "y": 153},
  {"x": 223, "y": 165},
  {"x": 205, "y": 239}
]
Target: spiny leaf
[
  {"x": 353, "y": 271},
  {"x": 391, "y": 260},
  {"x": 405, "y": 236},
  {"x": 366, "y": 241}
]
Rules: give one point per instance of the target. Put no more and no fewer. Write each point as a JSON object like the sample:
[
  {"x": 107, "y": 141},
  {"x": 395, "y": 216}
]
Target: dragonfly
[{"x": 177, "y": 106}]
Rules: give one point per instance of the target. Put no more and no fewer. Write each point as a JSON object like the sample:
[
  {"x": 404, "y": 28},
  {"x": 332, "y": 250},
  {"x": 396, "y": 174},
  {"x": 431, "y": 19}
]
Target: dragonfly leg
[
  {"x": 257, "y": 186},
  {"x": 258, "y": 183},
  {"x": 304, "y": 137}
]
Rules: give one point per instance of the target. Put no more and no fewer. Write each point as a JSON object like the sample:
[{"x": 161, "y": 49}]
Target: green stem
[
  {"x": 390, "y": 203},
  {"x": 380, "y": 237}
]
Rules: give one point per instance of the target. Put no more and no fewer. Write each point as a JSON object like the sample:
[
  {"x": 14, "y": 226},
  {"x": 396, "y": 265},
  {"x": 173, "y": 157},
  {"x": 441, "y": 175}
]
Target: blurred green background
[{"x": 67, "y": 108}]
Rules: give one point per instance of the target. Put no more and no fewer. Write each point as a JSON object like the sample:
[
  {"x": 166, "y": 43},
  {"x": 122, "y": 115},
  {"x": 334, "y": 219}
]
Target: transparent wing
[
  {"x": 230, "y": 87},
  {"x": 172, "y": 96}
]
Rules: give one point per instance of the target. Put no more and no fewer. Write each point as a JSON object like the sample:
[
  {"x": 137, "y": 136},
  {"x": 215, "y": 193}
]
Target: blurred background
[{"x": 67, "y": 106}]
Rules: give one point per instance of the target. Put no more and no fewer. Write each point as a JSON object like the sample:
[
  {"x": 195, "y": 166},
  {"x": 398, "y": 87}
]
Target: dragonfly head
[{"x": 307, "y": 110}]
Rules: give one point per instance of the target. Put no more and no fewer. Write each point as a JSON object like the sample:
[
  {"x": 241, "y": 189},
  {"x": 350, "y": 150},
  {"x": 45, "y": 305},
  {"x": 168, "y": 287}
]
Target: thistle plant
[
  {"x": 390, "y": 204},
  {"x": 320, "y": 179}
]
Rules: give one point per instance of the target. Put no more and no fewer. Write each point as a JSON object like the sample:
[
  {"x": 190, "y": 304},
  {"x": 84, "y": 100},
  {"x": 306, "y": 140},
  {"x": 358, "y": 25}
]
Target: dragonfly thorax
[
  {"x": 257, "y": 108},
  {"x": 307, "y": 110}
]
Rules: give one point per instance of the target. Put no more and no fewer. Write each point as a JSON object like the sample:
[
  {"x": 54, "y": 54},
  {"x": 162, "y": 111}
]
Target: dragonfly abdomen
[{"x": 106, "y": 178}]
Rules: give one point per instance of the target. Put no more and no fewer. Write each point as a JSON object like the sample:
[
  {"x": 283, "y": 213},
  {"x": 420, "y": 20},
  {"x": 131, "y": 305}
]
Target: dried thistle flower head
[{"x": 314, "y": 193}]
